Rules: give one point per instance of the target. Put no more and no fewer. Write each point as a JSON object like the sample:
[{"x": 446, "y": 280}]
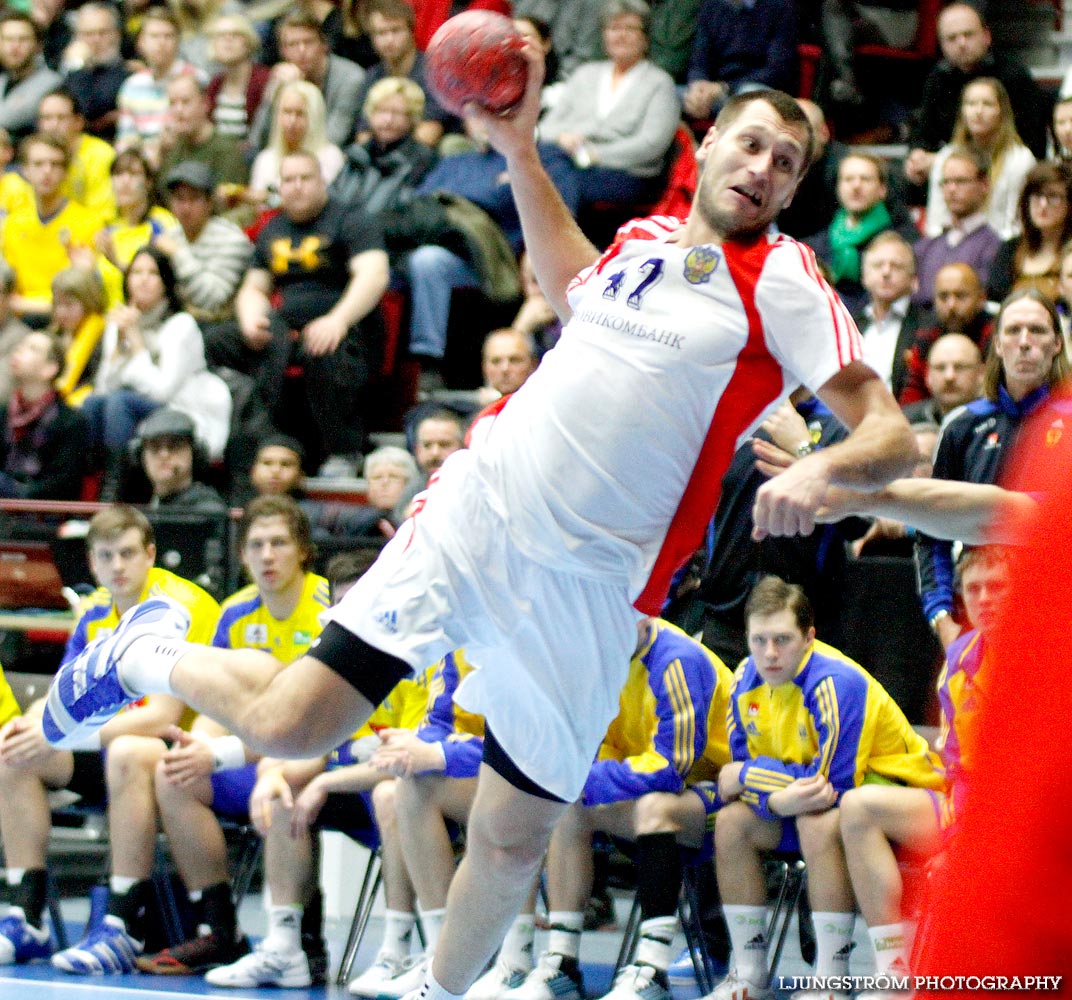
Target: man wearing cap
[
  {"x": 167, "y": 449},
  {"x": 190, "y": 135},
  {"x": 209, "y": 254}
]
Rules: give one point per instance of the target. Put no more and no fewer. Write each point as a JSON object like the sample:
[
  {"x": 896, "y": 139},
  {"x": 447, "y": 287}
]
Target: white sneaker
[
  {"x": 263, "y": 967},
  {"x": 547, "y": 982},
  {"x": 735, "y": 988},
  {"x": 386, "y": 965},
  {"x": 411, "y": 977},
  {"x": 637, "y": 982},
  {"x": 500, "y": 978}
]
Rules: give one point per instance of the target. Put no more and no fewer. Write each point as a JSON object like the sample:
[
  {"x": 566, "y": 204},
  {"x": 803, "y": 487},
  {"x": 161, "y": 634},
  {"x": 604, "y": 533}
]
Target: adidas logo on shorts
[{"x": 388, "y": 621}]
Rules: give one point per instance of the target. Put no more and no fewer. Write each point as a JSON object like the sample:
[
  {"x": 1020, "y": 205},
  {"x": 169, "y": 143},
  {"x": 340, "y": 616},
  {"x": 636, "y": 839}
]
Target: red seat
[
  {"x": 683, "y": 176},
  {"x": 924, "y": 47}
]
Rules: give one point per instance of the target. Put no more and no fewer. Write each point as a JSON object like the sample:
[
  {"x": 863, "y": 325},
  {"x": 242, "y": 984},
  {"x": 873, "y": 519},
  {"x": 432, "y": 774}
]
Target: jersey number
[{"x": 652, "y": 269}]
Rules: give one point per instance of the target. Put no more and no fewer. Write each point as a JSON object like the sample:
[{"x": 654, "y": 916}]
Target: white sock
[
  {"x": 565, "y": 935},
  {"x": 833, "y": 942},
  {"x": 516, "y": 950},
  {"x": 122, "y": 884},
  {"x": 397, "y": 931},
  {"x": 14, "y": 875},
  {"x": 656, "y": 939},
  {"x": 748, "y": 937},
  {"x": 146, "y": 664},
  {"x": 432, "y": 924},
  {"x": 431, "y": 990},
  {"x": 284, "y": 928},
  {"x": 890, "y": 942}
]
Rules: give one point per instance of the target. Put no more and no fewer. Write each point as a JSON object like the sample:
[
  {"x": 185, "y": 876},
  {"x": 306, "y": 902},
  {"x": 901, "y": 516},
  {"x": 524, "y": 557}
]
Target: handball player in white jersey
[{"x": 538, "y": 551}]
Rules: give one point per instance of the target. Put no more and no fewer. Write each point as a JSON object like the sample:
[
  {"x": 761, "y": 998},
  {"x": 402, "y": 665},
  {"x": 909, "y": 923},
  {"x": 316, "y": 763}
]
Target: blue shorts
[{"x": 231, "y": 790}]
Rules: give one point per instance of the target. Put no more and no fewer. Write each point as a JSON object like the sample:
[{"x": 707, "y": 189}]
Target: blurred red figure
[{"x": 1000, "y": 901}]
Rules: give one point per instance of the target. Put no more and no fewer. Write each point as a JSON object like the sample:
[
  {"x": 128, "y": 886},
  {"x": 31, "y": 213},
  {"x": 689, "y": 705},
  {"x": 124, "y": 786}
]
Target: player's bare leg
[{"x": 506, "y": 839}]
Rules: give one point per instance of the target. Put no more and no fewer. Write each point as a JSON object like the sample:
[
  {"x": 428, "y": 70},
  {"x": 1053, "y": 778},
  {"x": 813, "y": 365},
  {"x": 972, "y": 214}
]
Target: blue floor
[{"x": 41, "y": 982}]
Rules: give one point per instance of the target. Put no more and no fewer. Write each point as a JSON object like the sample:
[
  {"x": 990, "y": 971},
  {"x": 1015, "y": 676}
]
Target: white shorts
[{"x": 552, "y": 648}]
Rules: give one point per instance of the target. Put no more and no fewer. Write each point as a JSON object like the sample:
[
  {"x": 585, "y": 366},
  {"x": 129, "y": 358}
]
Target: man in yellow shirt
[
  {"x": 207, "y": 772},
  {"x": 121, "y": 555},
  {"x": 89, "y": 180},
  {"x": 9, "y": 707},
  {"x": 49, "y": 234}
]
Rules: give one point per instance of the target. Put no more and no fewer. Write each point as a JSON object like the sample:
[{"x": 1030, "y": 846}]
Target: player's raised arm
[{"x": 556, "y": 246}]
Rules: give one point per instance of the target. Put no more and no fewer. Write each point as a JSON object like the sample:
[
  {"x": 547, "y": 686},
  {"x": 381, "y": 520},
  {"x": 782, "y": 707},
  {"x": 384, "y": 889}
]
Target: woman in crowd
[
  {"x": 298, "y": 125},
  {"x": 153, "y": 355},
  {"x": 1033, "y": 259},
  {"x": 78, "y": 306},
  {"x": 138, "y": 218},
  {"x": 235, "y": 93},
  {"x": 616, "y": 118},
  {"x": 538, "y": 32},
  {"x": 381, "y": 173},
  {"x": 1061, "y": 129},
  {"x": 195, "y": 40},
  {"x": 986, "y": 123}
]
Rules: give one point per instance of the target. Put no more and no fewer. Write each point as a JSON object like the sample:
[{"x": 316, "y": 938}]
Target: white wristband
[{"x": 228, "y": 752}]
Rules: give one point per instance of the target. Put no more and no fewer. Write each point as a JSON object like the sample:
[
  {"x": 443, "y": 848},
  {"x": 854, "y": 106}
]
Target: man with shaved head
[
  {"x": 960, "y": 307},
  {"x": 954, "y": 376}
]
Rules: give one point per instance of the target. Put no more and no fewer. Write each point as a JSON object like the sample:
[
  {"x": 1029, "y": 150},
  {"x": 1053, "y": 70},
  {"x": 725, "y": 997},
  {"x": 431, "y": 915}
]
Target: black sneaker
[{"x": 194, "y": 956}]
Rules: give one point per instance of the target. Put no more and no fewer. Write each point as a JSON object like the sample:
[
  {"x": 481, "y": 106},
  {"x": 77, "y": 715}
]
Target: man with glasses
[
  {"x": 97, "y": 69},
  {"x": 969, "y": 238}
]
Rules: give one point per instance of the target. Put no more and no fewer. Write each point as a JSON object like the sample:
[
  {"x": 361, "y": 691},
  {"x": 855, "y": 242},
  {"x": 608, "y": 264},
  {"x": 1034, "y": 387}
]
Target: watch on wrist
[{"x": 937, "y": 617}]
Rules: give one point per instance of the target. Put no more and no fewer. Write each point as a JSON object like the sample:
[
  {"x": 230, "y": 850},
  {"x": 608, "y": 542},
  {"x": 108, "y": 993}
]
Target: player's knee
[
  {"x": 855, "y": 812},
  {"x": 733, "y": 824},
  {"x": 506, "y": 845},
  {"x": 278, "y": 734},
  {"x": 132, "y": 758},
  {"x": 654, "y": 813},
  {"x": 385, "y": 802},
  {"x": 818, "y": 831}
]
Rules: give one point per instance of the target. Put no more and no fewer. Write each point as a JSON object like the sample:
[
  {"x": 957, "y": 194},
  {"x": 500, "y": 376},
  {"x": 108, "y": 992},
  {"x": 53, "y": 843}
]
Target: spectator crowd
[{"x": 239, "y": 240}]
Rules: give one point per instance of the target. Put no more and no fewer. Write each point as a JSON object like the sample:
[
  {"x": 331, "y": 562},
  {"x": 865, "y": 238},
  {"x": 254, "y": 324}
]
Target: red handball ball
[{"x": 476, "y": 57}]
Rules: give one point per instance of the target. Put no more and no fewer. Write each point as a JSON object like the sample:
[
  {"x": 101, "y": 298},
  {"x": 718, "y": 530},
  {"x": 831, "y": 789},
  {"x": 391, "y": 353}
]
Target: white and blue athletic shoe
[
  {"x": 549, "y": 981},
  {"x": 106, "y": 948},
  {"x": 20, "y": 941},
  {"x": 86, "y": 691}
]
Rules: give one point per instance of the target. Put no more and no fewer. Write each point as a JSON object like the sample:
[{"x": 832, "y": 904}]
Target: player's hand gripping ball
[{"x": 476, "y": 57}]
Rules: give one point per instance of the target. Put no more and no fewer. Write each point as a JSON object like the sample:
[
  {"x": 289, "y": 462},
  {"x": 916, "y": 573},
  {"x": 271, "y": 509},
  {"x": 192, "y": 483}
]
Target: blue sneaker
[
  {"x": 86, "y": 691},
  {"x": 682, "y": 974},
  {"x": 20, "y": 941},
  {"x": 106, "y": 948}
]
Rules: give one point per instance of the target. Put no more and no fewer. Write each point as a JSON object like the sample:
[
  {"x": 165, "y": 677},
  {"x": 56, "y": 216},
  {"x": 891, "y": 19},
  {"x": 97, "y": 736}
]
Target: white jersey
[{"x": 608, "y": 461}]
